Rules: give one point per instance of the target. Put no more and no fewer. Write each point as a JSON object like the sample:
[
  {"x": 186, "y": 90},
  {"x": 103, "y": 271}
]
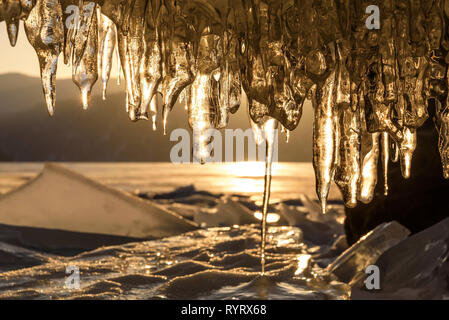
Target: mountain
[{"x": 103, "y": 133}]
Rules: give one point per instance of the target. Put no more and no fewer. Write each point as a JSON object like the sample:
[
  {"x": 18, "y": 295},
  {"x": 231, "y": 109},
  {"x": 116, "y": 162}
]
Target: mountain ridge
[{"x": 104, "y": 132}]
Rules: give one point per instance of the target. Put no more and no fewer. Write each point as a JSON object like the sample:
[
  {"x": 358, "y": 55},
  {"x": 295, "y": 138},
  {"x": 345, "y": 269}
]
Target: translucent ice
[
  {"x": 45, "y": 32},
  {"x": 85, "y": 57},
  {"x": 107, "y": 35}
]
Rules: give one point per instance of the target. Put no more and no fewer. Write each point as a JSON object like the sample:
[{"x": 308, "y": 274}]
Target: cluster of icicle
[{"x": 369, "y": 88}]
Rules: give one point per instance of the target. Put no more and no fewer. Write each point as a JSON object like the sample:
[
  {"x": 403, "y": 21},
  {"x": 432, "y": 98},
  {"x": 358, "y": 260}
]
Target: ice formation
[{"x": 370, "y": 87}]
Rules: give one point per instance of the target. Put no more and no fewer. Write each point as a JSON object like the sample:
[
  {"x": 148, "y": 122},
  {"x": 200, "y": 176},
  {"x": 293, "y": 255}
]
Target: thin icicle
[
  {"x": 12, "y": 11},
  {"x": 407, "y": 148},
  {"x": 269, "y": 129},
  {"x": 385, "y": 141},
  {"x": 107, "y": 35}
]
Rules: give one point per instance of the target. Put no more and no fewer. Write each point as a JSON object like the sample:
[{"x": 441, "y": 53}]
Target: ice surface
[{"x": 217, "y": 263}]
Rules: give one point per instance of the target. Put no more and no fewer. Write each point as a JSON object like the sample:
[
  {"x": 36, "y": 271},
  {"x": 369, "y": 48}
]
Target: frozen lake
[{"x": 245, "y": 178}]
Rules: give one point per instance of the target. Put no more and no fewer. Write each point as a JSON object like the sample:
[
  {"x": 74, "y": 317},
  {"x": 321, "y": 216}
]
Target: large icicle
[
  {"x": 347, "y": 175},
  {"x": 203, "y": 104},
  {"x": 325, "y": 138},
  {"x": 369, "y": 156},
  {"x": 45, "y": 32},
  {"x": 85, "y": 56}
]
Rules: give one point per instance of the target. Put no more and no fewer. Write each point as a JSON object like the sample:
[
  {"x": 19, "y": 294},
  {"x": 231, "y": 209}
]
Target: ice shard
[
  {"x": 415, "y": 269},
  {"x": 350, "y": 265}
]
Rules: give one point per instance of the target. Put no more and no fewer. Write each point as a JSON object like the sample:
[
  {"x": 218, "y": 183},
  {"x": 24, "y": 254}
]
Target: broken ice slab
[
  {"x": 59, "y": 198},
  {"x": 227, "y": 213},
  {"x": 351, "y": 264},
  {"x": 416, "y": 268},
  {"x": 316, "y": 232}
]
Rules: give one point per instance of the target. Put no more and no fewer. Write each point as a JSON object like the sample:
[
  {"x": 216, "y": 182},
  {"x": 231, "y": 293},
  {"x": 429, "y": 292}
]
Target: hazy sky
[{"x": 23, "y": 59}]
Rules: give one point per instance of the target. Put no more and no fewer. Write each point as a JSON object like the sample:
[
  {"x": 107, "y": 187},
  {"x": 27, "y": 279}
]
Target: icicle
[
  {"x": 228, "y": 83},
  {"x": 347, "y": 175},
  {"x": 45, "y": 32},
  {"x": 11, "y": 13},
  {"x": 119, "y": 64},
  {"x": 442, "y": 126},
  {"x": 385, "y": 142},
  {"x": 107, "y": 35},
  {"x": 131, "y": 52},
  {"x": 394, "y": 152},
  {"x": 269, "y": 128},
  {"x": 85, "y": 57},
  {"x": 201, "y": 115},
  {"x": 150, "y": 73},
  {"x": 369, "y": 157},
  {"x": 26, "y": 6},
  {"x": 407, "y": 148},
  {"x": 286, "y": 133},
  {"x": 177, "y": 76},
  {"x": 130, "y": 76},
  {"x": 324, "y": 138},
  {"x": 343, "y": 93},
  {"x": 153, "y": 109}
]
